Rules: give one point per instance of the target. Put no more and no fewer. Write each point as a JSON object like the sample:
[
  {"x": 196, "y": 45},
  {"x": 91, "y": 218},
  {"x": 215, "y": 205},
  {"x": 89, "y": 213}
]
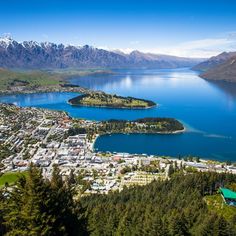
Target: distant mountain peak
[
  {"x": 6, "y": 40},
  {"x": 35, "y": 55}
]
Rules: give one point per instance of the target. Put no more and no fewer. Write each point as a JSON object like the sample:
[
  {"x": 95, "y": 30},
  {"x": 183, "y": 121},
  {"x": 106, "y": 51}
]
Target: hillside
[
  {"x": 223, "y": 72},
  {"x": 171, "y": 207},
  {"x": 214, "y": 61},
  {"x": 22, "y": 80},
  {"x": 46, "y": 55},
  {"x": 181, "y": 205},
  {"x": 10, "y": 79}
]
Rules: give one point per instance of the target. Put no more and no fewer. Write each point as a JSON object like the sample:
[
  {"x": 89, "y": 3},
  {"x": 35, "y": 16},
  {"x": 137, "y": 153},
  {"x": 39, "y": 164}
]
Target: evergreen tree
[{"x": 41, "y": 207}]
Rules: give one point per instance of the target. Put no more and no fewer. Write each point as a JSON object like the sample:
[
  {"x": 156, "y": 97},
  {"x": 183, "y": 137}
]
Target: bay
[{"x": 207, "y": 109}]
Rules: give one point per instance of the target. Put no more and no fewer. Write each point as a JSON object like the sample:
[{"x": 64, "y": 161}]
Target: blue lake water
[{"x": 208, "y": 110}]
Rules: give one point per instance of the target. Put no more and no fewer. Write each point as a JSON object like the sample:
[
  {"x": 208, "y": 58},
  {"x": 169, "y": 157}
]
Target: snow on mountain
[{"x": 34, "y": 55}]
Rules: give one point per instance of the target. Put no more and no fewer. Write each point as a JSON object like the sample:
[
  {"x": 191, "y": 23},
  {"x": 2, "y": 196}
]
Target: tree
[
  {"x": 171, "y": 170},
  {"x": 71, "y": 178},
  {"x": 2, "y": 227},
  {"x": 41, "y": 207},
  {"x": 172, "y": 207}
]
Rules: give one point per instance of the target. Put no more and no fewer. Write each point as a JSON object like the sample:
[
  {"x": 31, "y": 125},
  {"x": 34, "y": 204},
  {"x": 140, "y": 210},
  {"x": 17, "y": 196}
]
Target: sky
[{"x": 190, "y": 28}]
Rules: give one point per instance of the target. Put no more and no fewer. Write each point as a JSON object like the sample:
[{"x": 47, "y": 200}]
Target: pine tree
[
  {"x": 41, "y": 207},
  {"x": 2, "y": 227}
]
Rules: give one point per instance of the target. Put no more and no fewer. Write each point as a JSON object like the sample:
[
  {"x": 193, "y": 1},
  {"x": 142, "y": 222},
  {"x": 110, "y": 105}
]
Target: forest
[
  {"x": 146, "y": 125},
  {"x": 177, "y": 206}
]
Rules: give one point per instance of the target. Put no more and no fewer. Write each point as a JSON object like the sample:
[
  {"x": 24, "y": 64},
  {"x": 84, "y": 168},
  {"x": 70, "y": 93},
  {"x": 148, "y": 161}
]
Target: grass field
[
  {"x": 216, "y": 203},
  {"x": 10, "y": 178},
  {"x": 108, "y": 100},
  {"x": 28, "y": 79},
  {"x": 33, "y": 79}
]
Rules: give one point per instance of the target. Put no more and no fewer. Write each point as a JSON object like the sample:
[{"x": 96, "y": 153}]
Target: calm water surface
[{"x": 207, "y": 109}]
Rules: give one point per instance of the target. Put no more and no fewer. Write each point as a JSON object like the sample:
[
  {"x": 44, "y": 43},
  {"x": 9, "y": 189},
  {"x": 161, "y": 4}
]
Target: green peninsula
[
  {"x": 145, "y": 125},
  {"x": 139, "y": 126},
  {"x": 101, "y": 99}
]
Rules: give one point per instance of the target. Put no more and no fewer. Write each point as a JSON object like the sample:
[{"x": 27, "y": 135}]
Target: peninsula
[
  {"x": 145, "y": 125},
  {"x": 12, "y": 82},
  {"x": 150, "y": 125},
  {"x": 101, "y": 99}
]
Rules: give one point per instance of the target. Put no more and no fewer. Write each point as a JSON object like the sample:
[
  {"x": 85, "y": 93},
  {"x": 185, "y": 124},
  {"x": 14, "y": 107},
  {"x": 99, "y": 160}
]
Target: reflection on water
[
  {"x": 208, "y": 110},
  {"x": 228, "y": 88}
]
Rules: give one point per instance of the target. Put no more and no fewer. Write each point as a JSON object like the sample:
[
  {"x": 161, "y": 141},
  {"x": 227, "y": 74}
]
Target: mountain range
[
  {"x": 34, "y": 55},
  {"x": 219, "y": 68},
  {"x": 224, "y": 72},
  {"x": 214, "y": 61}
]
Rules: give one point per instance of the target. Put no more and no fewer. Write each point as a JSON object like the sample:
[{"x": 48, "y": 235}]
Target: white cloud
[
  {"x": 202, "y": 48},
  {"x": 124, "y": 50}
]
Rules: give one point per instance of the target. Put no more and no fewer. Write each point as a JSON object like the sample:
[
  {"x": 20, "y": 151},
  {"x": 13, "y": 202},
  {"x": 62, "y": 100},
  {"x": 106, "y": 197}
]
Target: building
[
  {"x": 139, "y": 178},
  {"x": 229, "y": 196}
]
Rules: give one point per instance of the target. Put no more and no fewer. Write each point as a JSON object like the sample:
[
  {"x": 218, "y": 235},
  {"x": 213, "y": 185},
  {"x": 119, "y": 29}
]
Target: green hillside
[{"x": 28, "y": 79}]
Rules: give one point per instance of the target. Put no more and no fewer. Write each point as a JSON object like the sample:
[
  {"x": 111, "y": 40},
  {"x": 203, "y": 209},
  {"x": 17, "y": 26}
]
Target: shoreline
[
  {"x": 77, "y": 89},
  {"x": 93, "y": 142},
  {"x": 54, "y": 90}
]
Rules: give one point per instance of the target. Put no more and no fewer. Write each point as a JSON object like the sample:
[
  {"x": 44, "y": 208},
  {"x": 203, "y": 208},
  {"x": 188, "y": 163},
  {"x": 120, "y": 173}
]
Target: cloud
[
  {"x": 124, "y": 50},
  {"x": 201, "y": 48}
]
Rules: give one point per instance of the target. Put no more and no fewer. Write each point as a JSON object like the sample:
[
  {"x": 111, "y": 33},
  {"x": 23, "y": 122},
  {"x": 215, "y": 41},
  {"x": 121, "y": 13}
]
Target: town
[{"x": 47, "y": 138}]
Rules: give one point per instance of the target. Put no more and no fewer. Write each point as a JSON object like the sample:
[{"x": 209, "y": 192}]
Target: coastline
[
  {"x": 81, "y": 90},
  {"x": 45, "y": 90},
  {"x": 93, "y": 142},
  {"x": 72, "y": 89}
]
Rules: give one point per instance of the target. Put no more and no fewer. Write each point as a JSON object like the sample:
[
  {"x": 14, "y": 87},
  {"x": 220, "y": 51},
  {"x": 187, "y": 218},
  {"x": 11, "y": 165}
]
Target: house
[{"x": 229, "y": 196}]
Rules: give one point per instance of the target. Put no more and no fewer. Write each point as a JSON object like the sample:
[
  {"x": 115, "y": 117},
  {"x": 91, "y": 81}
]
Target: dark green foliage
[
  {"x": 40, "y": 207},
  {"x": 146, "y": 125},
  {"x": 173, "y": 207},
  {"x": 76, "y": 130},
  {"x": 5, "y": 151}
]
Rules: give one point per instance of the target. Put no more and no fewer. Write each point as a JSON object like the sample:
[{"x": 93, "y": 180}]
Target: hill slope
[
  {"x": 171, "y": 207},
  {"x": 214, "y": 61},
  {"x": 223, "y": 72}
]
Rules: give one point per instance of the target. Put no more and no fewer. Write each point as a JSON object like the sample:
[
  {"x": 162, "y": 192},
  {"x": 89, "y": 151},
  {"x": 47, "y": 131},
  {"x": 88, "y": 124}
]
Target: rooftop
[{"x": 227, "y": 193}]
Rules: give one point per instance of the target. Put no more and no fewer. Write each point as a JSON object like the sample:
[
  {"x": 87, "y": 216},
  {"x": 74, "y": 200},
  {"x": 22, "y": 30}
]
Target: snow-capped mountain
[{"x": 34, "y": 55}]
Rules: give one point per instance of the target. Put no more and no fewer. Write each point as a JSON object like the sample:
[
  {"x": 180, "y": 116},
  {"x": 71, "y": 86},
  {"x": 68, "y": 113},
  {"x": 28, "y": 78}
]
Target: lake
[{"x": 207, "y": 109}]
